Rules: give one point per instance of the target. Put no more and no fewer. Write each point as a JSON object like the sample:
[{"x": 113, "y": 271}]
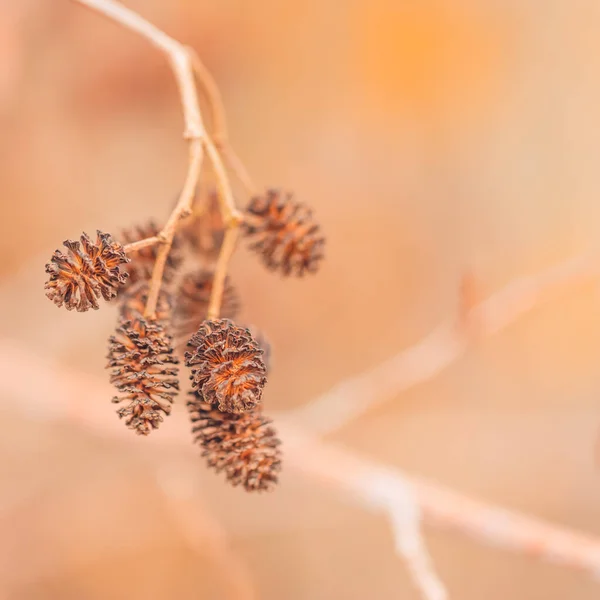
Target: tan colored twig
[
  {"x": 232, "y": 219},
  {"x": 227, "y": 249},
  {"x": 134, "y": 247},
  {"x": 358, "y": 394},
  {"x": 56, "y": 394},
  {"x": 194, "y": 127},
  {"x": 181, "y": 59},
  {"x": 220, "y": 131}
]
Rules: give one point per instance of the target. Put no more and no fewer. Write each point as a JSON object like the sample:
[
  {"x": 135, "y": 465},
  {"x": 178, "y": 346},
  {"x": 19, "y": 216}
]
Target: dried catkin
[
  {"x": 245, "y": 447},
  {"x": 203, "y": 231},
  {"x": 284, "y": 233},
  {"x": 193, "y": 298},
  {"x": 134, "y": 299},
  {"x": 227, "y": 367},
  {"x": 143, "y": 368},
  {"x": 87, "y": 271}
]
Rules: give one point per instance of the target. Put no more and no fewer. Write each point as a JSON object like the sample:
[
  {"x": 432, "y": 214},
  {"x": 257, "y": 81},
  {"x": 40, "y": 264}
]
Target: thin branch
[
  {"x": 218, "y": 286},
  {"x": 134, "y": 247},
  {"x": 182, "y": 209},
  {"x": 55, "y": 394},
  {"x": 181, "y": 64},
  {"x": 231, "y": 215},
  {"x": 358, "y": 394},
  {"x": 220, "y": 133},
  {"x": 377, "y": 488}
]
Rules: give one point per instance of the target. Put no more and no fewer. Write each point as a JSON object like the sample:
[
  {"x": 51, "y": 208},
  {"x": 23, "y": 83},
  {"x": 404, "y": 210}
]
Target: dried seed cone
[
  {"x": 143, "y": 369},
  {"x": 88, "y": 271},
  {"x": 245, "y": 446},
  {"x": 193, "y": 298},
  {"x": 134, "y": 299},
  {"x": 227, "y": 366},
  {"x": 142, "y": 261},
  {"x": 284, "y": 233},
  {"x": 203, "y": 231}
]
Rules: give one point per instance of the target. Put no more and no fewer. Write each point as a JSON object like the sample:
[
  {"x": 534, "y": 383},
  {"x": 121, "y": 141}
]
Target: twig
[
  {"x": 56, "y": 394},
  {"x": 218, "y": 286},
  {"x": 184, "y": 61},
  {"x": 134, "y": 247},
  {"x": 194, "y": 128},
  {"x": 220, "y": 133},
  {"x": 379, "y": 489},
  {"x": 356, "y": 395},
  {"x": 232, "y": 218}
]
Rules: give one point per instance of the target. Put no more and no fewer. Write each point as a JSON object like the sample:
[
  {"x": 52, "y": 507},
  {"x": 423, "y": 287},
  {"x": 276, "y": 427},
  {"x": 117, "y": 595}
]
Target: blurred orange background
[{"x": 432, "y": 138}]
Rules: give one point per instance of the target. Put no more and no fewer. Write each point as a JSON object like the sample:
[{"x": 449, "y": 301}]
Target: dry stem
[
  {"x": 181, "y": 60},
  {"x": 227, "y": 249},
  {"x": 220, "y": 133},
  {"x": 134, "y": 247}
]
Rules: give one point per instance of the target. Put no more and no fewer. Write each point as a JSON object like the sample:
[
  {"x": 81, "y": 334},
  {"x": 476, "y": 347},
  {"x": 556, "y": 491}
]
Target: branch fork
[{"x": 188, "y": 71}]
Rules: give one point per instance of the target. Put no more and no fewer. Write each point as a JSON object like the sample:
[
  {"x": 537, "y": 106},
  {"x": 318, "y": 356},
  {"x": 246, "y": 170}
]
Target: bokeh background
[{"x": 432, "y": 138}]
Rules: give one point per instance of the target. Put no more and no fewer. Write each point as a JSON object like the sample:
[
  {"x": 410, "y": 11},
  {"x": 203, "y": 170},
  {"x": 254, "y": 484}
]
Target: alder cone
[
  {"x": 284, "y": 233},
  {"x": 227, "y": 366},
  {"x": 203, "y": 231},
  {"x": 245, "y": 447},
  {"x": 88, "y": 271},
  {"x": 143, "y": 369},
  {"x": 193, "y": 298},
  {"x": 142, "y": 261},
  {"x": 134, "y": 299}
]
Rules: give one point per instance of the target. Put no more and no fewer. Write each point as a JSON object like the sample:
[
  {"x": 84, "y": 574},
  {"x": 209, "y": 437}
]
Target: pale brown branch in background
[
  {"x": 358, "y": 394},
  {"x": 220, "y": 132},
  {"x": 57, "y": 394}
]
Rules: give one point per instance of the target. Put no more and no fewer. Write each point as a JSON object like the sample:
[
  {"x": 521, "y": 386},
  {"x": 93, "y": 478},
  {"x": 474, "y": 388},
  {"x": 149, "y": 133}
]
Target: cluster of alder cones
[{"x": 228, "y": 363}]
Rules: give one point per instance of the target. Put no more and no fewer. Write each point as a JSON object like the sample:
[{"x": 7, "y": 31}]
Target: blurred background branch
[
  {"x": 353, "y": 397},
  {"x": 433, "y": 138},
  {"x": 373, "y": 485}
]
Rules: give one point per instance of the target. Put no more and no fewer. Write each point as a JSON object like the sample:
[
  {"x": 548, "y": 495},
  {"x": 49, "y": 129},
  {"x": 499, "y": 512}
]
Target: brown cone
[
  {"x": 86, "y": 272},
  {"x": 193, "y": 298},
  {"x": 134, "y": 299},
  {"x": 204, "y": 230},
  {"x": 142, "y": 362},
  {"x": 284, "y": 233},
  {"x": 245, "y": 446},
  {"x": 227, "y": 366}
]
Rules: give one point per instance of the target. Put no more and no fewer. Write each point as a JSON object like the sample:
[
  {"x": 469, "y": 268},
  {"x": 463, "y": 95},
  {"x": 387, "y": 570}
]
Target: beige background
[{"x": 431, "y": 137}]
